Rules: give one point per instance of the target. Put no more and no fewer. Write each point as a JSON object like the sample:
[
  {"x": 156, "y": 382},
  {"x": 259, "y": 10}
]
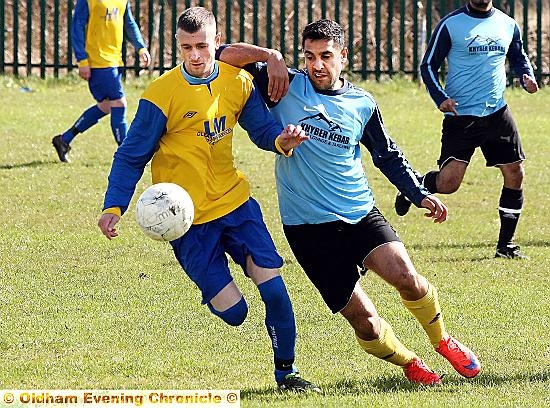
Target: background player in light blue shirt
[
  {"x": 327, "y": 206},
  {"x": 476, "y": 40}
]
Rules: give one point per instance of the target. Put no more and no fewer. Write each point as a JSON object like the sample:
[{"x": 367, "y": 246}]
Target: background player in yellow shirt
[
  {"x": 97, "y": 31},
  {"x": 184, "y": 123}
]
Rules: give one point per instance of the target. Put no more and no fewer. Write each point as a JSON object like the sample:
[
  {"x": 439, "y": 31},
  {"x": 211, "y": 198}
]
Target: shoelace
[
  {"x": 451, "y": 344},
  {"x": 426, "y": 375}
]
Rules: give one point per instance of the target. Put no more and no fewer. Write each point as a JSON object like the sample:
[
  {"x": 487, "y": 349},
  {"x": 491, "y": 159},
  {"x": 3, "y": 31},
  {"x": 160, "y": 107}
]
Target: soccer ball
[{"x": 165, "y": 211}]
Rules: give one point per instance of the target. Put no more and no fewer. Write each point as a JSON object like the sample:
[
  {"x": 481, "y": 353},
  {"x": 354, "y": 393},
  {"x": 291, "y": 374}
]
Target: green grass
[{"x": 78, "y": 311}]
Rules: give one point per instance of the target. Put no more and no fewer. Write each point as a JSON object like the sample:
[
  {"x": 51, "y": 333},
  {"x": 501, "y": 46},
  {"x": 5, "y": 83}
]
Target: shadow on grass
[
  {"x": 490, "y": 245},
  {"x": 36, "y": 163},
  {"x": 398, "y": 383}
]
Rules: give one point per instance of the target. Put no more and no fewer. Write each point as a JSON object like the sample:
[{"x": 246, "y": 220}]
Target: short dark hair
[
  {"x": 195, "y": 18},
  {"x": 324, "y": 29}
]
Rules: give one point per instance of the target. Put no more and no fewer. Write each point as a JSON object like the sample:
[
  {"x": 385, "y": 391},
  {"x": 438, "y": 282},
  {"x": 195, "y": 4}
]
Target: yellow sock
[
  {"x": 387, "y": 346},
  {"x": 428, "y": 312}
]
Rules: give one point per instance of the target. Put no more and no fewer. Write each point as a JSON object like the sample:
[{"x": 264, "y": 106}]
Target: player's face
[
  {"x": 198, "y": 50},
  {"x": 324, "y": 63},
  {"x": 482, "y": 5}
]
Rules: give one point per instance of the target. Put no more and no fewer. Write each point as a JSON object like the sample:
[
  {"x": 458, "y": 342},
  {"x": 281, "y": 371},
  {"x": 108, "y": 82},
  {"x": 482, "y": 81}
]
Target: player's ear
[
  {"x": 218, "y": 40},
  {"x": 344, "y": 54}
]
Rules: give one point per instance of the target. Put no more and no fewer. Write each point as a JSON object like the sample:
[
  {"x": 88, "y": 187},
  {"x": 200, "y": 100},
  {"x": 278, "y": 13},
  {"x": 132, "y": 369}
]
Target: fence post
[
  {"x": 242, "y": 8},
  {"x": 69, "y": 37},
  {"x": 282, "y": 46},
  {"x": 15, "y": 38},
  {"x": 228, "y": 21},
  {"x": 43, "y": 39},
  {"x": 402, "y": 12},
  {"x": 56, "y": 39},
  {"x": 2, "y": 36},
  {"x": 29, "y": 37},
  {"x": 415, "y": 40},
  {"x": 296, "y": 50},
  {"x": 377, "y": 39},
  {"x": 161, "y": 38},
  {"x": 364, "y": 40},
  {"x": 174, "y": 31},
  {"x": 137, "y": 13},
  {"x": 526, "y": 26},
  {"x": 539, "y": 41}
]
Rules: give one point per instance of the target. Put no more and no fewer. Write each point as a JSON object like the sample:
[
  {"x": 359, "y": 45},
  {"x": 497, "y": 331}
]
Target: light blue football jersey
[
  {"x": 324, "y": 179},
  {"x": 475, "y": 45}
]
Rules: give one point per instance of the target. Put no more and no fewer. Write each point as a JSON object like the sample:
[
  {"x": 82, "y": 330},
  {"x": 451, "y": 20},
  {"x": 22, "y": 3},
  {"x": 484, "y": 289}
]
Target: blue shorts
[
  {"x": 201, "y": 251},
  {"x": 106, "y": 83}
]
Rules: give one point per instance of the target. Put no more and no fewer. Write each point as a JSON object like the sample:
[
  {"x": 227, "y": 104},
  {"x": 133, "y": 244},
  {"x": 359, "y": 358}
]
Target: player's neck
[{"x": 482, "y": 8}]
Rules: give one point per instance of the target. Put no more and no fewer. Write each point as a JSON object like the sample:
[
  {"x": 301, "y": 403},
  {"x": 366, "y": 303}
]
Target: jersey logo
[
  {"x": 214, "y": 131},
  {"x": 331, "y": 137},
  {"x": 111, "y": 15},
  {"x": 320, "y": 116},
  {"x": 189, "y": 114},
  {"x": 484, "y": 45}
]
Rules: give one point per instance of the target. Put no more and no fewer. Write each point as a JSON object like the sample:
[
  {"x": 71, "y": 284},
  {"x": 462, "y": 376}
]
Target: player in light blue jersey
[
  {"x": 476, "y": 40},
  {"x": 327, "y": 206}
]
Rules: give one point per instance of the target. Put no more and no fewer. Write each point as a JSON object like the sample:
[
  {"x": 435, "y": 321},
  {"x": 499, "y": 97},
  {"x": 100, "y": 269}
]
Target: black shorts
[
  {"x": 332, "y": 253},
  {"x": 496, "y": 135}
]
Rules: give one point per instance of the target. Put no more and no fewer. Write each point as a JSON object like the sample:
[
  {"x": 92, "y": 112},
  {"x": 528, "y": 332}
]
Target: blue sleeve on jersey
[
  {"x": 517, "y": 57},
  {"x": 387, "y": 156},
  {"x": 262, "y": 128},
  {"x": 134, "y": 153},
  {"x": 437, "y": 51},
  {"x": 78, "y": 29},
  {"x": 131, "y": 29},
  {"x": 259, "y": 71}
]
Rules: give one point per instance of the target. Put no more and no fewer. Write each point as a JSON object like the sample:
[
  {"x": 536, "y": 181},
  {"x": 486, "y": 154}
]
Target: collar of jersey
[
  {"x": 479, "y": 14},
  {"x": 201, "y": 81},
  {"x": 338, "y": 91}
]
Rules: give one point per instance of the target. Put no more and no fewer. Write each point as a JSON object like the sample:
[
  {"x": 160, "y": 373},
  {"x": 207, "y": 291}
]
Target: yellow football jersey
[{"x": 196, "y": 151}]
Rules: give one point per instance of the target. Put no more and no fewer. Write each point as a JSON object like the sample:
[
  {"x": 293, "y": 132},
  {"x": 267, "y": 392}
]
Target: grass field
[{"x": 78, "y": 311}]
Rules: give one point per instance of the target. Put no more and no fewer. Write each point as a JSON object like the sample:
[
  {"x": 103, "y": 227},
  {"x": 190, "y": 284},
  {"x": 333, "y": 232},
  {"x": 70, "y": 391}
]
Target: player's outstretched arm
[
  {"x": 437, "y": 210},
  {"x": 241, "y": 54},
  {"x": 106, "y": 224}
]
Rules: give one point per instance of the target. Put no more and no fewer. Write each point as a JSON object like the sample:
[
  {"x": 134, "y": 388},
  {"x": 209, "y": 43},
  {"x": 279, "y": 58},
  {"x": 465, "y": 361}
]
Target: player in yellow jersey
[
  {"x": 185, "y": 123},
  {"x": 97, "y": 30}
]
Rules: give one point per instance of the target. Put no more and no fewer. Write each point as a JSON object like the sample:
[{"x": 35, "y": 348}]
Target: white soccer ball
[{"x": 165, "y": 211}]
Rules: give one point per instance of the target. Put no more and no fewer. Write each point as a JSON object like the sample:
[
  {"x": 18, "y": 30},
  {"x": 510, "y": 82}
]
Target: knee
[
  {"x": 273, "y": 293},
  {"x": 513, "y": 177},
  {"x": 448, "y": 185},
  {"x": 235, "y": 315}
]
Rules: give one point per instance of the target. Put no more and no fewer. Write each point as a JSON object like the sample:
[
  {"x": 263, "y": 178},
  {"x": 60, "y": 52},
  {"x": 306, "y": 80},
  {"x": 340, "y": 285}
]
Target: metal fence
[{"x": 383, "y": 37}]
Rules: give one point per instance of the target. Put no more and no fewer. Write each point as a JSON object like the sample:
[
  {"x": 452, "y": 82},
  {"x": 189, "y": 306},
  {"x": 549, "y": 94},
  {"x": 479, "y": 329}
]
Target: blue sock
[
  {"x": 280, "y": 323},
  {"x": 89, "y": 118},
  {"x": 118, "y": 123}
]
